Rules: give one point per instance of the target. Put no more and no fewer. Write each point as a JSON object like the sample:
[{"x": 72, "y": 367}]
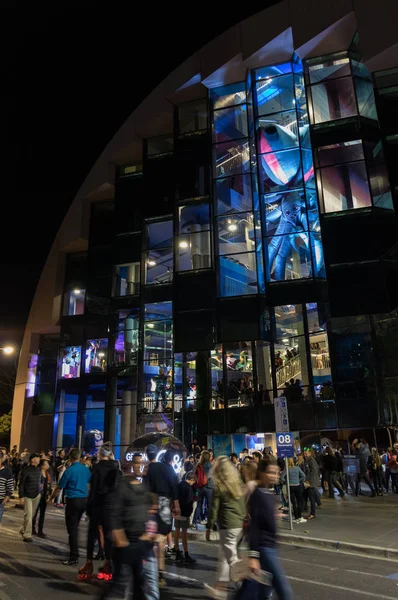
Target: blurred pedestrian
[
  {"x": 45, "y": 494},
  {"x": 6, "y": 485},
  {"x": 29, "y": 494}
]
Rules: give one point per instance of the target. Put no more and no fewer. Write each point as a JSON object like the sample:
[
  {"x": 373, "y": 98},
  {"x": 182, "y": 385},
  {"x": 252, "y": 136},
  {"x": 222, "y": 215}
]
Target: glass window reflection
[
  {"x": 236, "y": 233},
  {"x": 333, "y": 99},
  {"x": 238, "y": 275},
  {"x": 230, "y": 124},
  {"x": 96, "y": 356},
  {"x": 232, "y": 158},
  {"x": 239, "y": 364},
  {"x": 228, "y": 95},
  {"x": 126, "y": 281},
  {"x": 233, "y": 194},
  {"x": 275, "y": 94}
]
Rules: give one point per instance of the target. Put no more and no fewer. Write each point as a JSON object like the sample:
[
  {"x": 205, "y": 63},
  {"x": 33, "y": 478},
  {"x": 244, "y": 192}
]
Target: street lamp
[{"x": 7, "y": 349}]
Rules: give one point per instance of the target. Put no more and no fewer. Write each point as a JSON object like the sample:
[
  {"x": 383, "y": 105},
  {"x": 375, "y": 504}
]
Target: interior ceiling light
[
  {"x": 232, "y": 227},
  {"x": 183, "y": 244},
  {"x": 151, "y": 263},
  {"x": 151, "y": 325},
  {"x": 76, "y": 291}
]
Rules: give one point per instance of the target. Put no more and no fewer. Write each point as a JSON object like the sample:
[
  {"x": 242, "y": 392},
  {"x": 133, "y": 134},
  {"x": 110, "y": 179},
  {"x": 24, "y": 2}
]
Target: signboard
[
  {"x": 285, "y": 444},
  {"x": 351, "y": 465},
  {"x": 281, "y": 415}
]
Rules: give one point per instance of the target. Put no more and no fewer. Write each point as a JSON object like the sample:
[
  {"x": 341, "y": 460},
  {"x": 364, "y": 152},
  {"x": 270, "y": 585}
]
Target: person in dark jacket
[
  {"x": 311, "y": 470},
  {"x": 29, "y": 494},
  {"x": 330, "y": 467},
  {"x": 263, "y": 555},
  {"x": 185, "y": 498},
  {"x": 362, "y": 451},
  {"x": 126, "y": 512},
  {"x": 45, "y": 493},
  {"x": 103, "y": 478}
]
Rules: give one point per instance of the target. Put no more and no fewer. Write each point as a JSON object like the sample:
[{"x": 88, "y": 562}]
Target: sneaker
[
  {"x": 70, "y": 562},
  {"x": 179, "y": 557},
  {"x": 188, "y": 560},
  {"x": 301, "y": 520},
  {"x": 204, "y": 522}
]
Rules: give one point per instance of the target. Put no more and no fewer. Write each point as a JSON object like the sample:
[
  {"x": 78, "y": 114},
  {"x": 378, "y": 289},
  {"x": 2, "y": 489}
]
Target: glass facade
[{"x": 215, "y": 299}]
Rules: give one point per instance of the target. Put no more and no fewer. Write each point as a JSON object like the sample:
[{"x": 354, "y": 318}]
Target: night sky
[{"x": 71, "y": 75}]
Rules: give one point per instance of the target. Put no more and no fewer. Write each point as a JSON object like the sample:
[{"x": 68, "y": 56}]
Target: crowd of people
[{"x": 138, "y": 521}]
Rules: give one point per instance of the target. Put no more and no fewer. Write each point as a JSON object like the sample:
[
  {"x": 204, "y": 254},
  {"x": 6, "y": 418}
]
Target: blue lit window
[
  {"x": 232, "y": 158},
  {"x": 70, "y": 362},
  {"x": 228, "y": 95},
  {"x": 159, "y": 257},
  {"x": 230, "y": 124},
  {"x": 275, "y": 94},
  {"x": 273, "y": 71},
  {"x": 233, "y": 194},
  {"x": 238, "y": 275}
]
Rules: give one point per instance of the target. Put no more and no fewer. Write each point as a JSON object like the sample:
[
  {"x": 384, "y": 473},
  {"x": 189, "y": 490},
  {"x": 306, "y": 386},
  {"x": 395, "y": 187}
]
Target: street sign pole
[{"x": 288, "y": 496}]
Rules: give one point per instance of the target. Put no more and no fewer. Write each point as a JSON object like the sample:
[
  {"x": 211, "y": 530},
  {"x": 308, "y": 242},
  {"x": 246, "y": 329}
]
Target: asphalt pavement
[{"x": 34, "y": 571}]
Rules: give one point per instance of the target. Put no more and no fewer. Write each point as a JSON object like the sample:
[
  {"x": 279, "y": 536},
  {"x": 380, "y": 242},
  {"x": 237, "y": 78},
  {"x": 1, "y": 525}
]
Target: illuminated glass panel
[
  {"x": 280, "y": 170},
  {"x": 74, "y": 302},
  {"x": 159, "y": 266},
  {"x": 344, "y": 187},
  {"x": 228, "y": 95},
  {"x": 231, "y": 158},
  {"x": 233, "y": 194},
  {"x": 159, "y": 234},
  {"x": 236, "y": 233},
  {"x": 333, "y": 99},
  {"x": 96, "y": 356},
  {"x": 289, "y": 256},
  {"x": 275, "y": 94},
  {"x": 238, "y": 274},
  {"x": 193, "y": 218},
  {"x": 126, "y": 338},
  {"x": 239, "y": 384},
  {"x": 217, "y": 378},
  {"x": 230, "y": 124},
  {"x": 273, "y": 71},
  {"x": 126, "y": 281},
  {"x": 194, "y": 251},
  {"x": 330, "y": 69},
  {"x": 289, "y": 321},
  {"x": 70, "y": 362}
]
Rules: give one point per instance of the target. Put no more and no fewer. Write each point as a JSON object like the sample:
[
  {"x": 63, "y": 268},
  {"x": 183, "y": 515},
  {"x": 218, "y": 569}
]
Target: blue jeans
[
  {"x": 269, "y": 561},
  {"x": 151, "y": 577},
  {"x": 204, "y": 492},
  {"x": 1, "y": 511}
]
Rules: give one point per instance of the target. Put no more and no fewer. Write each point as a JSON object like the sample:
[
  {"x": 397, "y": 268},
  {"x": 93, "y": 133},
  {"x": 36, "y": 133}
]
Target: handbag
[{"x": 306, "y": 485}]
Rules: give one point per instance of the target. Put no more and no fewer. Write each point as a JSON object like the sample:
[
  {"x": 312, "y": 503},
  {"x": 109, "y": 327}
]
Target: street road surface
[{"x": 34, "y": 571}]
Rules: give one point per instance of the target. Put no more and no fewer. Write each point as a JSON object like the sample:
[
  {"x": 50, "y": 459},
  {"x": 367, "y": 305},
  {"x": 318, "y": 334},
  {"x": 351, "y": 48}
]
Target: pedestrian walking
[
  {"x": 363, "y": 453},
  {"x": 331, "y": 474},
  {"x": 29, "y": 494},
  {"x": 6, "y": 484},
  {"x": 263, "y": 555},
  {"x": 376, "y": 471},
  {"x": 392, "y": 465},
  {"x": 126, "y": 512},
  {"x": 45, "y": 493},
  {"x": 102, "y": 480},
  {"x": 162, "y": 481},
  {"x": 228, "y": 510},
  {"x": 74, "y": 482}
]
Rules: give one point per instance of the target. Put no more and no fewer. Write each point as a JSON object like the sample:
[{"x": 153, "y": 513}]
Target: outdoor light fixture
[
  {"x": 151, "y": 263},
  {"x": 183, "y": 244},
  {"x": 232, "y": 227},
  {"x": 7, "y": 349}
]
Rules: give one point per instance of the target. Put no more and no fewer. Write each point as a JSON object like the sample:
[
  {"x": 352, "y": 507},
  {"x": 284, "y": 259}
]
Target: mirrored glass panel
[
  {"x": 232, "y": 158},
  {"x": 230, "y": 124},
  {"x": 70, "y": 362},
  {"x": 275, "y": 94},
  {"x": 238, "y": 275},
  {"x": 336, "y": 154},
  {"x": 96, "y": 356},
  {"x": 65, "y": 430},
  {"x": 333, "y": 99},
  {"x": 345, "y": 187},
  {"x": 366, "y": 98},
  {"x": 329, "y": 69},
  {"x": 233, "y": 194}
]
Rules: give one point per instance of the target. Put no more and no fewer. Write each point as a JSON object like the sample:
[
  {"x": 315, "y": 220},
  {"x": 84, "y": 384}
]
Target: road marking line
[
  {"x": 342, "y": 588},
  {"x": 363, "y": 573}
]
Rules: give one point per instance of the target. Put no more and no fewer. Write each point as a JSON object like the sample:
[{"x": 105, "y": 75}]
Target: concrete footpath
[{"x": 360, "y": 525}]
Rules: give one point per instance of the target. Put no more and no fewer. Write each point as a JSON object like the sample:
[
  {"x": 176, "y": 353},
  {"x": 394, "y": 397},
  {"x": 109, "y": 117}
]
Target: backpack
[{"x": 201, "y": 477}]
